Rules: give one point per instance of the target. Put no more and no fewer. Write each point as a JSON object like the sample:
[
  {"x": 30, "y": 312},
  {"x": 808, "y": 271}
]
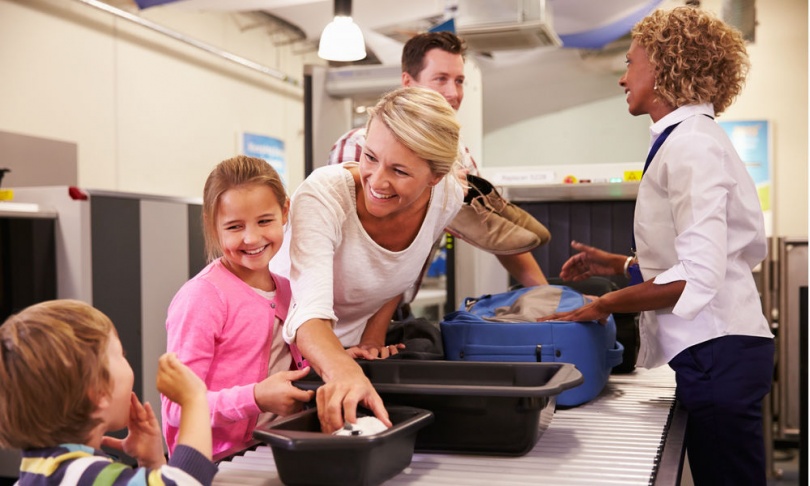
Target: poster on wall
[
  {"x": 265, "y": 147},
  {"x": 752, "y": 141}
]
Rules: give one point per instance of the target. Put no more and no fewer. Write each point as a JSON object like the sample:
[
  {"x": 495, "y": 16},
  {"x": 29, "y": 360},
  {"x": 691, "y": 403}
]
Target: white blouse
[{"x": 698, "y": 219}]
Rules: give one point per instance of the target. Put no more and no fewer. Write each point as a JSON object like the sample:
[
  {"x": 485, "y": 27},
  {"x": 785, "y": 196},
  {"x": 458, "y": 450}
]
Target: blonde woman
[
  {"x": 360, "y": 234},
  {"x": 699, "y": 232}
]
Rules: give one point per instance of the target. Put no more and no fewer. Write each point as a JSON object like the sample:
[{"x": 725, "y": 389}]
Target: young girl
[{"x": 225, "y": 323}]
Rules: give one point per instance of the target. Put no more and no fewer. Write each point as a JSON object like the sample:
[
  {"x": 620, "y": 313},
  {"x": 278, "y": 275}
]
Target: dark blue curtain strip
[{"x": 142, "y": 4}]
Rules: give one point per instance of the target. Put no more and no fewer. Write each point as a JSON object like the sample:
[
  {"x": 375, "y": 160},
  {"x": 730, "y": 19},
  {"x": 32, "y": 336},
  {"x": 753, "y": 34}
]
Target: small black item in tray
[
  {"x": 478, "y": 407},
  {"x": 306, "y": 456}
]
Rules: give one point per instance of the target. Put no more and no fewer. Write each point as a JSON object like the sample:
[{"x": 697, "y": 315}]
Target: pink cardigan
[{"x": 222, "y": 329}]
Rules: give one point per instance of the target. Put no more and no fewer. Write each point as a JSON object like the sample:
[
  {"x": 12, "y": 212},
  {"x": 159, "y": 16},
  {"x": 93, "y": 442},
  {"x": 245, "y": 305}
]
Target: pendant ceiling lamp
[{"x": 342, "y": 39}]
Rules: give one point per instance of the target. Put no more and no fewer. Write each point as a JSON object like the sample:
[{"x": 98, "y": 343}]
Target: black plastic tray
[
  {"x": 479, "y": 407},
  {"x": 306, "y": 456}
]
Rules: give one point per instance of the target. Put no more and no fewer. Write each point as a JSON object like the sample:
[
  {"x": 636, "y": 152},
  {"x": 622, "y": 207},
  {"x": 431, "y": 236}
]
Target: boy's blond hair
[{"x": 53, "y": 369}]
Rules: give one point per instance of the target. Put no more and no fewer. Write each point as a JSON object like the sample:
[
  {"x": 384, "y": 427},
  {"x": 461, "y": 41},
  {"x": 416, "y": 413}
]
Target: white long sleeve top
[
  {"x": 337, "y": 272},
  {"x": 698, "y": 219}
]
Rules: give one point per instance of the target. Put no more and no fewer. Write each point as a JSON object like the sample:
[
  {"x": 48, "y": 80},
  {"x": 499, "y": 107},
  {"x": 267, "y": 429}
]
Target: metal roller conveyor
[{"x": 632, "y": 434}]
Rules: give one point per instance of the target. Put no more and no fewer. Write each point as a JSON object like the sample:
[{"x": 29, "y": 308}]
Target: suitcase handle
[
  {"x": 488, "y": 352},
  {"x": 614, "y": 356}
]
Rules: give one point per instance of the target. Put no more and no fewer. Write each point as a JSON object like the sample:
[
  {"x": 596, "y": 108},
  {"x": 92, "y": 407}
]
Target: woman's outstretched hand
[{"x": 589, "y": 262}]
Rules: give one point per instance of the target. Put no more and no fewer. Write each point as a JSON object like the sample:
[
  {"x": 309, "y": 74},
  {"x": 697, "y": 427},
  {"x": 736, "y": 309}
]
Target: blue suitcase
[{"x": 470, "y": 334}]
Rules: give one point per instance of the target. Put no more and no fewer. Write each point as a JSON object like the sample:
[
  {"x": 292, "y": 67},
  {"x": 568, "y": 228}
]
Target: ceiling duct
[
  {"x": 505, "y": 25},
  {"x": 362, "y": 80}
]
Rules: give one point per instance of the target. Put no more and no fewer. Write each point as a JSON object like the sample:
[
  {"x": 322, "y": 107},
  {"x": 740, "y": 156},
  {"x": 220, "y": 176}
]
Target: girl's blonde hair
[
  {"x": 228, "y": 174},
  {"x": 424, "y": 122},
  {"x": 697, "y": 58}
]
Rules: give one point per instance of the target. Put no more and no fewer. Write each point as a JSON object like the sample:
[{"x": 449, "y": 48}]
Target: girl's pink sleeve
[{"x": 195, "y": 320}]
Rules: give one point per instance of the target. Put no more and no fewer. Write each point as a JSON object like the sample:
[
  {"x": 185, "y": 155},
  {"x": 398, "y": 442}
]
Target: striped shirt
[{"x": 75, "y": 464}]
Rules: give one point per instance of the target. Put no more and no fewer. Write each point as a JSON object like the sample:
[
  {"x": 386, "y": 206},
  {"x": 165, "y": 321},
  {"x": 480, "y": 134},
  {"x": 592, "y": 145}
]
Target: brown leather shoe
[
  {"x": 516, "y": 215},
  {"x": 483, "y": 228},
  {"x": 483, "y": 190}
]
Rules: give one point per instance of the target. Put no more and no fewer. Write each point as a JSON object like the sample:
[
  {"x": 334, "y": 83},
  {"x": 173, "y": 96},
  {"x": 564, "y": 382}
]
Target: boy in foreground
[{"x": 64, "y": 383}]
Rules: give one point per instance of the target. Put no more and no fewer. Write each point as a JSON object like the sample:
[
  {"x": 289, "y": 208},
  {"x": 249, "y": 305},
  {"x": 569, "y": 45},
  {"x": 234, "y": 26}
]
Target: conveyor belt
[{"x": 616, "y": 439}]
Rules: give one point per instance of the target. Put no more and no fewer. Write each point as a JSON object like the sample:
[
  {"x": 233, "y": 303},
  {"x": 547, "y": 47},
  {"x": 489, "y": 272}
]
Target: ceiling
[{"x": 517, "y": 84}]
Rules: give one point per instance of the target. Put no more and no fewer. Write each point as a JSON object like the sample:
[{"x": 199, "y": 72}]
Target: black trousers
[{"x": 721, "y": 384}]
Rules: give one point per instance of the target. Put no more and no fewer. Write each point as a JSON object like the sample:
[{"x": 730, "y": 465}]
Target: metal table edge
[{"x": 670, "y": 466}]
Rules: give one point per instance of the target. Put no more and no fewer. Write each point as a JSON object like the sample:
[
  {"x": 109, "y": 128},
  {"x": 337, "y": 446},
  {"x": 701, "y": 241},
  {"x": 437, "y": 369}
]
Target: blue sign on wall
[
  {"x": 268, "y": 148},
  {"x": 751, "y": 139}
]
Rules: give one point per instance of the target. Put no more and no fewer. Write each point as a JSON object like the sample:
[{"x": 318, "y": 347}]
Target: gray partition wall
[
  {"x": 790, "y": 257},
  {"x": 37, "y": 161},
  {"x": 116, "y": 272}
]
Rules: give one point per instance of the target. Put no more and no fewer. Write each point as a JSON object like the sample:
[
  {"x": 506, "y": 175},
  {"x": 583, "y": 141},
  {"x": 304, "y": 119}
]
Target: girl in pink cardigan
[{"x": 225, "y": 323}]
